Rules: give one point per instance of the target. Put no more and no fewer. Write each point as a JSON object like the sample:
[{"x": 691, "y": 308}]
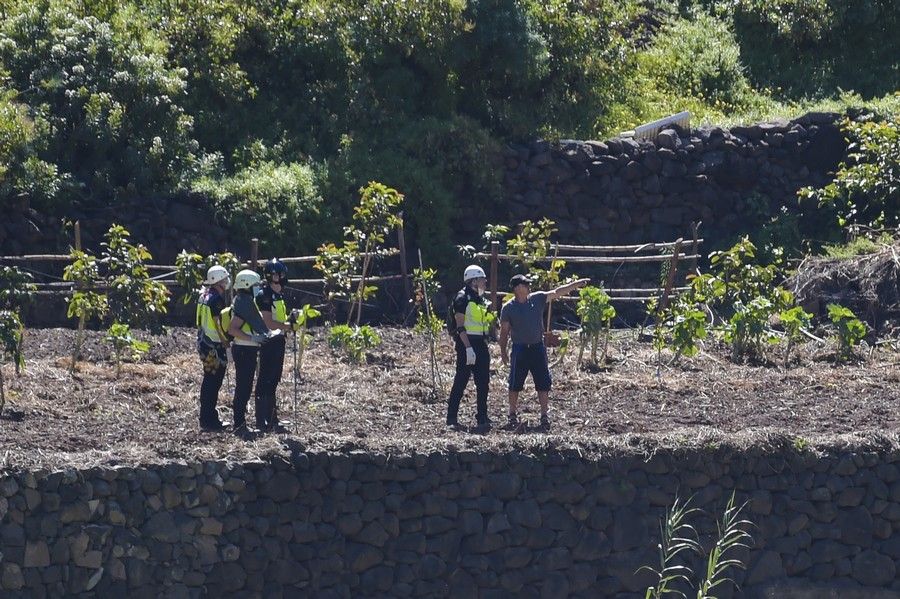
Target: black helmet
[{"x": 274, "y": 266}]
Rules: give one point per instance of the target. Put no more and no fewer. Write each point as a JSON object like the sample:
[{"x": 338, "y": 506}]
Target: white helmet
[
  {"x": 246, "y": 279},
  {"x": 473, "y": 271},
  {"x": 216, "y": 274}
]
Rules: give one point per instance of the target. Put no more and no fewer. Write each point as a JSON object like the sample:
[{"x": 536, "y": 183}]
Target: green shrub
[
  {"x": 748, "y": 328},
  {"x": 866, "y": 187},
  {"x": 192, "y": 268},
  {"x": 16, "y": 288},
  {"x": 21, "y": 171},
  {"x": 698, "y": 58},
  {"x": 353, "y": 341},
  {"x": 278, "y": 203}
]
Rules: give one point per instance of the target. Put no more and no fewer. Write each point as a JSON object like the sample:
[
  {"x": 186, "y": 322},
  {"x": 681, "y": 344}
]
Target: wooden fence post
[
  {"x": 495, "y": 251},
  {"x": 401, "y": 243},
  {"x": 695, "y": 227},
  {"x": 670, "y": 280},
  {"x": 254, "y": 253}
]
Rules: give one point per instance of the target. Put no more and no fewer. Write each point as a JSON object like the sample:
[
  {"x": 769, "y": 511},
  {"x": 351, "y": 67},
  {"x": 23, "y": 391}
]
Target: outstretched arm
[{"x": 566, "y": 289}]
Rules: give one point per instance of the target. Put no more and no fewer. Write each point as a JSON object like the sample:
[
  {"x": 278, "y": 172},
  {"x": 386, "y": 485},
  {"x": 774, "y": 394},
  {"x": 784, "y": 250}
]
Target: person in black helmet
[{"x": 270, "y": 302}]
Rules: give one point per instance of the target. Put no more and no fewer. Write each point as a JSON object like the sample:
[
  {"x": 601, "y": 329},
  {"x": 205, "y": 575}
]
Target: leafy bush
[
  {"x": 16, "y": 288},
  {"x": 691, "y": 63},
  {"x": 86, "y": 303},
  {"x": 680, "y": 327},
  {"x": 22, "y": 174},
  {"x": 850, "y": 329},
  {"x": 302, "y": 339},
  {"x": 278, "y": 203},
  {"x": 699, "y": 58},
  {"x": 428, "y": 323},
  {"x": 748, "y": 327},
  {"x": 866, "y": 187},
  {"x": 353, "y": 341}
]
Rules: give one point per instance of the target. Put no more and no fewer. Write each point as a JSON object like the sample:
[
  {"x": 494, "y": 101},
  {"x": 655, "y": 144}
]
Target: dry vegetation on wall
[
  {"x": 53, "y": 419},
  {"x": 869, "y": 284}
]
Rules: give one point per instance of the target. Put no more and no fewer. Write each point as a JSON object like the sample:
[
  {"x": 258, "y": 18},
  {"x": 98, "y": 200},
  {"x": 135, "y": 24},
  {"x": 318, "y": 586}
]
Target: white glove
[
  {"x": 275, "y": 333},
  {"x": 470, "y": 356}
]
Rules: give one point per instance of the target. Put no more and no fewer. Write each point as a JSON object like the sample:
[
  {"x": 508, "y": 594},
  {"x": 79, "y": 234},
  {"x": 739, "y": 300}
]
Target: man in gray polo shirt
[{"x": 523, "y": 318}]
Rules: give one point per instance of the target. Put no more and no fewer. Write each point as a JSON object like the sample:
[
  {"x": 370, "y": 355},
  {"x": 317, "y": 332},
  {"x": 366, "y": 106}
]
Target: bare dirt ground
[{"x": 54, "y": 419}]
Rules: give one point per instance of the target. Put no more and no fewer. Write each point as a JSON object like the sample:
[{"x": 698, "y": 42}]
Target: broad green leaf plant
[
  {"x": 596, "y": 314},
  {"x": 125, "y": 345},
  {"x": 850, "y": 330}
]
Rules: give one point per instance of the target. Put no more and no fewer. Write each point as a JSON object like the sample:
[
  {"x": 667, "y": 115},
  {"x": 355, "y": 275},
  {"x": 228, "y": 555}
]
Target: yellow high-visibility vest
[
  {"x": 279, "y": 311},
  {"x": 477, "y": 319}
]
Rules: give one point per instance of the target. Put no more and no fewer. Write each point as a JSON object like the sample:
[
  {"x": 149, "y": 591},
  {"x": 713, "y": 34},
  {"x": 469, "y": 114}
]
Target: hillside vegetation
[{"x": 286, "y": 107}]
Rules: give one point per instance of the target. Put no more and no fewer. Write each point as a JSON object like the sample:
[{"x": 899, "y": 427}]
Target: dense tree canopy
[{"x": 104, "y": 100}]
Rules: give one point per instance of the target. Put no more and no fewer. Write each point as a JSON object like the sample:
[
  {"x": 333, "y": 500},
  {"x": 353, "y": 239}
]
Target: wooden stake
[
  {"x": 401, "y": 242},
  {"x": 670, "y": 280},
  {"x": 495, "y": 261}
]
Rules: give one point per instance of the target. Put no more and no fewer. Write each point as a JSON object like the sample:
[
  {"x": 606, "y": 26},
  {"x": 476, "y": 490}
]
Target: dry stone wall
[
  {"x": 465, "y": 524},
  {"x": 625, "y": 191}
]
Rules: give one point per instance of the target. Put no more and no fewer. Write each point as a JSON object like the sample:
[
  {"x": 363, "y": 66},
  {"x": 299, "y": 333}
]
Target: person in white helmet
[
  {"x": 249, "y": 331},
  {"x": 469, "y": 324},
  {"x": 212, "y": 344}
]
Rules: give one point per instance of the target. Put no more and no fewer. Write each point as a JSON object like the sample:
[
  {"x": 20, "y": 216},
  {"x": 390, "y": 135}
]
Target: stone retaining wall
[
  {"x": 467, "y": 524},
  {"x": 624, "y": 191}
]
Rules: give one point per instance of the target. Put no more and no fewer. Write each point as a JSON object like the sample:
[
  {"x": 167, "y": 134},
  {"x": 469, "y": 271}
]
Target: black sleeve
[
  {"x": 216, "y": 304},
  {"x": 264, "y": 300},
  {"x": 460, "y": 302}
]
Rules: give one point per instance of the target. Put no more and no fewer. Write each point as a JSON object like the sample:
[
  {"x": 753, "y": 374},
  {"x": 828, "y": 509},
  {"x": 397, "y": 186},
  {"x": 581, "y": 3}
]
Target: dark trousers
[
  {"x": 214, "y": 361},
  {"x": 481, "y": 371},
  {"x": 244, "y": 371},
  {"x": 271, "y": 364}
]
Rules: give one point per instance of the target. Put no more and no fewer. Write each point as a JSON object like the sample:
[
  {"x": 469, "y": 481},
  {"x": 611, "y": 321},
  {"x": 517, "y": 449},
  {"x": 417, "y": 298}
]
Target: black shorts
[{"x": 529, "y": 358}]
